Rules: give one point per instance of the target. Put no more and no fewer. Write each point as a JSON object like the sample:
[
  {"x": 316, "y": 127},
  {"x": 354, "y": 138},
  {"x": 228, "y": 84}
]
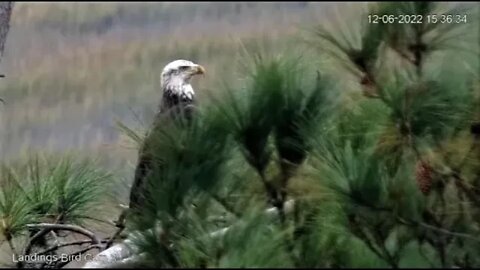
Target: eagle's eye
[{"x": 183, "y": 68}]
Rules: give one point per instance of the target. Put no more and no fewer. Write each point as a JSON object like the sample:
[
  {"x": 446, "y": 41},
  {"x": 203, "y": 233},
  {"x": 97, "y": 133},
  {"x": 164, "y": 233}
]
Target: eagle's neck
[
  {"x": 178, "y": 85},
  {"x": 176, "y": 93},
  {"x": 184, "y": 91}
]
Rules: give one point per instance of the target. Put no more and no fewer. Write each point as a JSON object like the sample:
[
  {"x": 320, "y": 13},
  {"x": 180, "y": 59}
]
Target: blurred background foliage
[{"x": 73, "y": 68}]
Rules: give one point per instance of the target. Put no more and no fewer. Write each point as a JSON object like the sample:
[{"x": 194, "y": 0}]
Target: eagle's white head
[{"x": 175, "y": 78}]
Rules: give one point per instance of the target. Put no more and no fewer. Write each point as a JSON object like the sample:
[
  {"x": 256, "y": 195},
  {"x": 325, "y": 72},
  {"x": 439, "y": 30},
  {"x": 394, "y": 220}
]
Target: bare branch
[
  {"x": 48, "y": 227},
  {"x": 111, "y": 256},
  {"x": 63, "y": 263},
  {"x": 65, "y": 227},
  {"x": 441, "y": 230},
  {"x": 73, "y": 243}
]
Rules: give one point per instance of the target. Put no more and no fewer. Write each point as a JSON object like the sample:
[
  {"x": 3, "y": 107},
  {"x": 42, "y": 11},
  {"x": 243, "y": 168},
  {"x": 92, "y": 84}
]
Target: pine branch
[
  {"x": 422, "y": 224},
  {"x": 425, "y": 225},
  {"x": 364, "y": 237},
  {"x": 120, "y": 254}
]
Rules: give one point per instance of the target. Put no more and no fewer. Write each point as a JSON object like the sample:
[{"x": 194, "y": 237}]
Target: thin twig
[
  {"x": 427, "y": 226},
  {"x": 117, "y": 233},
  {"x": 367, "y": 241},
  {"x": 442, "y": 230},
  {"x": 381, "y": 243},
  {"x": 137, "y": 117},
  {"x": 12, "y": 247},
  {"x": 402, "y": 54},
  {"x": 225, "y": 205},
  {"x": 120, "y": 224}
]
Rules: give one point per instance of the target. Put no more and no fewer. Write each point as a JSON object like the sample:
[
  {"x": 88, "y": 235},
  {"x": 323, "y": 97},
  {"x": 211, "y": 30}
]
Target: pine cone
[{"x": 424, "y": 177}]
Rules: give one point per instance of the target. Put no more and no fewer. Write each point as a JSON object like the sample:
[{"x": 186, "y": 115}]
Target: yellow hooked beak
[{"x": 198, "y": 69}]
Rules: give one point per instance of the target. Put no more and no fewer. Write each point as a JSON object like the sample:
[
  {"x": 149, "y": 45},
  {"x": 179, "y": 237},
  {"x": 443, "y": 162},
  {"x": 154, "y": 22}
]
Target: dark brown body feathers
[{"x": 174, "y": 106}]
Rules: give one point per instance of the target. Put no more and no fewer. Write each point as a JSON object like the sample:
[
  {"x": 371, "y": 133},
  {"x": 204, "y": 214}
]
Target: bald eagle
[{"x": 178, "y": 99}]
